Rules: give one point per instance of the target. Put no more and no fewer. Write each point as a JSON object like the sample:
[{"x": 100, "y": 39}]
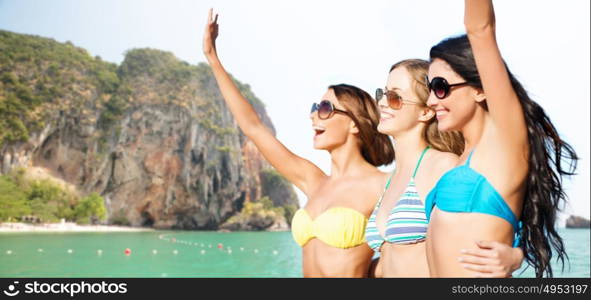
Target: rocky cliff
[{"x": 152, "y": 135}]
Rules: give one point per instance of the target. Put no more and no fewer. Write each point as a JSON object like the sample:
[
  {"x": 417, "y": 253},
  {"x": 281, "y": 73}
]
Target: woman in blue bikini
[{"x": 512, "y": 161}]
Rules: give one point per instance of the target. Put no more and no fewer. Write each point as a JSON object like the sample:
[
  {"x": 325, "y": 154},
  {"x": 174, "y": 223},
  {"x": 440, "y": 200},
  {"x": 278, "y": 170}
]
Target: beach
[{"x": 66, "y": 227}]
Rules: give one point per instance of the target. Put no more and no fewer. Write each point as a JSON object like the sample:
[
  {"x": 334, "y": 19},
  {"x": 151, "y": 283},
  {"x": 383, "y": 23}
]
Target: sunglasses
[
  {"x": 394, "y": 100},
  {"x": 440, "y": 86},
  {"x": 326, "y": 110}
]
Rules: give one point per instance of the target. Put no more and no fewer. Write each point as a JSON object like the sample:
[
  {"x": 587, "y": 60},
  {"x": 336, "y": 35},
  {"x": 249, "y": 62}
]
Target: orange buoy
[
  {"x": 220, "y": 246},
  {"x": 127, "y": 251}
]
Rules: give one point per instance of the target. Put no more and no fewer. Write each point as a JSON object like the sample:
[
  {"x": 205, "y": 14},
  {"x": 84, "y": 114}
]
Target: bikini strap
[
  {"x": 385, "y": 188},
  {"x": 388, "y": 183},
  {"x": 469, "y": 158},
  {"x": 419, "y": 162}
]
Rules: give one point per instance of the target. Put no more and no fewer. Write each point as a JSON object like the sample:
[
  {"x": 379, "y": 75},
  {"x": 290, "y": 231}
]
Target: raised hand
[
  {"x": 301, "y": 172},
  {"x": 211, "y": 33}
]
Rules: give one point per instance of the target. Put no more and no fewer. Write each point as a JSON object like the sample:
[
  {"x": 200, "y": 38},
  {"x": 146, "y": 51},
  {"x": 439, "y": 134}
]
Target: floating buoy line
[
  {"x": 220, "y": 246},
  {"x": 203, "y": 246}
]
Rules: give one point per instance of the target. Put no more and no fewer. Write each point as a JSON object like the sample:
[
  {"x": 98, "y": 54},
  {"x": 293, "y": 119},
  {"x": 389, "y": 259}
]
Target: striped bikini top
[{"x": 407, "y": 222}]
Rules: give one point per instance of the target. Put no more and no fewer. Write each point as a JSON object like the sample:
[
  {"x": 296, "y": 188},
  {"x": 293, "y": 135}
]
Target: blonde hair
[
  {"x": 451, "y": 141},
  {"x": 376, "y": 148}
]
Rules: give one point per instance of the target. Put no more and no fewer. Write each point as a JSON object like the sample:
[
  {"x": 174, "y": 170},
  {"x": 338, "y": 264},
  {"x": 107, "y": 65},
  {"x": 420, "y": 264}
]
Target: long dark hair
[
  {"x": 376, "y": 148},
  {"x": 548, "y": 156}
]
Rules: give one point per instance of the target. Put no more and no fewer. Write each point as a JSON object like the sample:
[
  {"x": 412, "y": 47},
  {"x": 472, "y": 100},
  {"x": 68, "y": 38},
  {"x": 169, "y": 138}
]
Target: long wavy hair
[
  {"x": 550, "y": 158},
  {"x": 452, "y": 141},
  {"x": 376, "y": 148}
]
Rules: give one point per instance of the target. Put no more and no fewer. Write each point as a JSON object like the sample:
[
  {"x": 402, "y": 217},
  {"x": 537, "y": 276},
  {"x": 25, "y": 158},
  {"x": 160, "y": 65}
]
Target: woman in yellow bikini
[{"x": 331, "y": 228}]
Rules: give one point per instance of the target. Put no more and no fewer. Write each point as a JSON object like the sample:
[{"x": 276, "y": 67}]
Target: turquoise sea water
[{"x": 188, "y": 254}]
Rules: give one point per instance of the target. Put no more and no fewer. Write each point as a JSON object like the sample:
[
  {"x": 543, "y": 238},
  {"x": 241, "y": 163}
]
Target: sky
[{"x": 290, "y": 51}]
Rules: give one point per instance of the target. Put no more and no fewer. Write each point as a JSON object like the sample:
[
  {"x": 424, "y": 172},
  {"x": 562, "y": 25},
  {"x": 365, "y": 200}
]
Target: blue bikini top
[{"x": 462, "y": 189}]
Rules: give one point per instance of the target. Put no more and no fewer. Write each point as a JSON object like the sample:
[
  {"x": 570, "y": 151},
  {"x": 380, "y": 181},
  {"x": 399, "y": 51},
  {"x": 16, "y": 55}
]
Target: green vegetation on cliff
[
  {"x": 262, "y": 213},
  {"x": 24, "y": 199},
  {"x": 39, "y": 76},
  {"x": 279, "y": 189},
  {"x": 35, "y": 73}
]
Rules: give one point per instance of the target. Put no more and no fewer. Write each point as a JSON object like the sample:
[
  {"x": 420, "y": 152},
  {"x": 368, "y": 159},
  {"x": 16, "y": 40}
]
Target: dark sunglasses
[
  {"x": 394, "y": 100},
  {"x": 440, "y": 86},
  {"x": 326, "y": 109}
]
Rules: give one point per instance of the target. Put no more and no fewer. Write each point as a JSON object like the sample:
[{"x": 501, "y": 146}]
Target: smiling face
[
  {"x": 458, "y": 108},
  {"x": 394, "y": 122},
  {"x": 334, "y": 131}
]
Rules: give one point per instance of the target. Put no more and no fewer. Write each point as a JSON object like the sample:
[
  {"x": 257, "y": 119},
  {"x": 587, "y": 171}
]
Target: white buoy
[
  {"x": 229, "y": 251},
  {"x": 241, "y": 248},
  {"x": 70, "y": 251},
  {"x": 8, "y": 252},
  {"x": 39, "y": 250},
  {"x": 99, "y": 252},
  {"x": 256, "y": 250},
  {"x": 275, "y": 252},
  {"x": 175, "y": 252},
  {"x": 202, "y": 252},
  {"x": 154, "y": 252}
]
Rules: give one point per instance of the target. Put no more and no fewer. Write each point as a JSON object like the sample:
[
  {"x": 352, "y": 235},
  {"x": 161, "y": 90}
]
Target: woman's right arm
[
  {"x": 501, "y": 99},
  {"x": 492, "y": 259},
  {"x": 297, "y": 170}
]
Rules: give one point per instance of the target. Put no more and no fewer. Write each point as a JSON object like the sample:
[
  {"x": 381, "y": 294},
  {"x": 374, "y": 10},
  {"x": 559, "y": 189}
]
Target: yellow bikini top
[{"x": 339, "y": 227}]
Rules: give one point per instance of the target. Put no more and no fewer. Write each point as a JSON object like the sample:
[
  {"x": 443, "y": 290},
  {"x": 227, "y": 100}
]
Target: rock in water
[{"x": 577, "y": 222}]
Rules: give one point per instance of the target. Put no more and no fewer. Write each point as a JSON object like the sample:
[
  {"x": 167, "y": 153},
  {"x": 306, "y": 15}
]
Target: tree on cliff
[
  {"x": 13, "y": 202},
  {"x": 90, "y": 209}
]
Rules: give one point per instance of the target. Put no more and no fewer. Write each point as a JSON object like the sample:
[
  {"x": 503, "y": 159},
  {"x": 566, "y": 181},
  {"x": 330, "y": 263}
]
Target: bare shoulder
[
  {"x": 370, "y": 190},
  {"x": 434, "y": 165},
  {"x": 443, "y": 161},
  {"x": 376, "y": 180},
  {"x": 382, "y": 177}
]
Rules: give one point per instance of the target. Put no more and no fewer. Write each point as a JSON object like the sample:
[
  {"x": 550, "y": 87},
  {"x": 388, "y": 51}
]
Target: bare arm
[
  {"x": 297, "y": 170},
  {"x": 492, "y": 259},
  {"x": 502, "y": 101}
]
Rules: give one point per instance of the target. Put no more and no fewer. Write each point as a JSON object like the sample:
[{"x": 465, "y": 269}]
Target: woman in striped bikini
[{"x": 397, "y": 227}]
